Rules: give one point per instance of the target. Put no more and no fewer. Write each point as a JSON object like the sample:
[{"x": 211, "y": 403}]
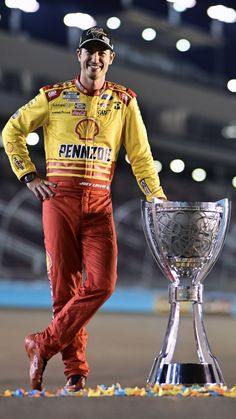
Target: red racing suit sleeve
[
  {"x": 27, "y": 119},
  {"x": 139, "y": 153}
]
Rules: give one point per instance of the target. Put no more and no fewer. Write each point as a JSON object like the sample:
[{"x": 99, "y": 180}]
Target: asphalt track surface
[{"x": 121, "y": 349}]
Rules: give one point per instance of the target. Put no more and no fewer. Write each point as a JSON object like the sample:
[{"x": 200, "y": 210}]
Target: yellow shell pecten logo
[{"x": 87, "y": 129}]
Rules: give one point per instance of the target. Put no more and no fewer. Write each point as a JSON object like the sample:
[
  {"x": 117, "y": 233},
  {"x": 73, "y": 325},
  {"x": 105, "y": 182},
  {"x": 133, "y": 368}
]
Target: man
[{"x": 85, "y": 122}]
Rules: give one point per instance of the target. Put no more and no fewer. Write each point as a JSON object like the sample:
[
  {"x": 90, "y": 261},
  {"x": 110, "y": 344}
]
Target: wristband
[{"x": 29, "y": 177}]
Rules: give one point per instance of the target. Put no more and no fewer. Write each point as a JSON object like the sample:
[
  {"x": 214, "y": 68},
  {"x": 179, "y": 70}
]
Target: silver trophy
[{"x": 185, "y": 239}]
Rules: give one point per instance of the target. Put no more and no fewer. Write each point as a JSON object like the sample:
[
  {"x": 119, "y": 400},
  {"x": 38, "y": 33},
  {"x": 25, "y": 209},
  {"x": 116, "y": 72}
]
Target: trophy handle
[
  {"x": 146, "y": 213},
  {"x": 225, "y": 204}
]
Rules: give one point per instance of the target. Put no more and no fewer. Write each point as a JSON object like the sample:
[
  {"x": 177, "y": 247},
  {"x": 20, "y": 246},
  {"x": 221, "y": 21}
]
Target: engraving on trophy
[{"x": 185, "y": 239}]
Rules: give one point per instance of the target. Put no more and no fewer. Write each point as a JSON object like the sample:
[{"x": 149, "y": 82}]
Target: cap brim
[{"x": 95, "y": 40}]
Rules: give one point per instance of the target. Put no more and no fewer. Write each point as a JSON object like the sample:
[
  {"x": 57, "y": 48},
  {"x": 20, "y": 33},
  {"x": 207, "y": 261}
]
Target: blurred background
[{"x": 179, "y": 57}]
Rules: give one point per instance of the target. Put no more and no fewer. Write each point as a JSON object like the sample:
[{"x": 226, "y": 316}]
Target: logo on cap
[{"x": 95, "y": 34}]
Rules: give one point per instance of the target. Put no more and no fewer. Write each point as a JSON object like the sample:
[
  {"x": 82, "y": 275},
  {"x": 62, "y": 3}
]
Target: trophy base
[{"x": 188, "y": 374}]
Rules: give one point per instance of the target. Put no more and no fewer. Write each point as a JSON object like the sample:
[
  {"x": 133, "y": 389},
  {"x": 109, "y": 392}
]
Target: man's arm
[
  {"x": 139, "y": 153},
  {"x": 28, "y": 118}
]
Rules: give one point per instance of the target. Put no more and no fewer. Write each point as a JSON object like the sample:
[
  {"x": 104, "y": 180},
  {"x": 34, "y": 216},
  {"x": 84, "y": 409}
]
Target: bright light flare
[
  {"x": 79, "y": 20},
  {"x": 177, "y": 166},
  {"x": 113, "y": 22},
  {"x": 199, "y": 175},
  {"x": 231, "y": 85},
  {"x": 28, "y": 6},
  {"x": 149, "y": 34},
  {"x": 182, "y": 5},
  {"x": 32, "y": 138},
  {"x": 158, "y": 165},
  {"x": 222, "y": 13},
  {"x": 234, "y": 181},
  {"x": 183, "y": 45}
]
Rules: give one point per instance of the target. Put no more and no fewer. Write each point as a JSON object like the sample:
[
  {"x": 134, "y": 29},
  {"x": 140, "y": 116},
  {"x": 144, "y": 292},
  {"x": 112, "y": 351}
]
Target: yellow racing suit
[{"x": 83, "y": 134}]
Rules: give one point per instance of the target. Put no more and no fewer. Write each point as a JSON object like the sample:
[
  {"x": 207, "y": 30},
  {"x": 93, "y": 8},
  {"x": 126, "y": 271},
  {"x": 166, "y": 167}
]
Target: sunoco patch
[
  {"x": 145, "y": 187},
  {"x": 18, "y": 162}
]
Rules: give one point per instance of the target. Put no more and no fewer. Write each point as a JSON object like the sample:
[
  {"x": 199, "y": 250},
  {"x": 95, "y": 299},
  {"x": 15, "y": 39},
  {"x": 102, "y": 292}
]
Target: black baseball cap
[{"x": 96, "y": 34}]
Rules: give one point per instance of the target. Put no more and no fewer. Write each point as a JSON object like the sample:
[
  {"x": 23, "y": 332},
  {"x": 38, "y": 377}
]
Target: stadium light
[
  {"x": 229, "y": 131},
  {"x": 231, "y": 85},
  {"x": 79, "y": 20},
  {"x": 32, "y": 138},
  {"x": 199, "y": 175},
  {"x": 28, "y": 6},
  {"x": 182, "y": 5},
  {"x": 222, "y": 13},
  {"x": 149, "y": 34},
  {"x": 113, "y": 22},
  {"x": 158, "y": 165},
  {"x": 183, "y": 45},
  {"x": 177, "y": 166}
]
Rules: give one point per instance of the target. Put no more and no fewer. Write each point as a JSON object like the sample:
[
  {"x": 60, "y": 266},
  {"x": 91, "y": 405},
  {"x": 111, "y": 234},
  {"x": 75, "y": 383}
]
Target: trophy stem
[
  {"x": 168, "y": 346},
  {"x": 203, "y": 348},
  {"x": 163, "y": 371}
]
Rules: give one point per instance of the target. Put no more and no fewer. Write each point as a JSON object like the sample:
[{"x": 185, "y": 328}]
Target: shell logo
[{"x": 87, "y": 129}]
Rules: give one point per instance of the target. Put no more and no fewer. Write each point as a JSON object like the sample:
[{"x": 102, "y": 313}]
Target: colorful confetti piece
[{"x": 116, "y": 390}]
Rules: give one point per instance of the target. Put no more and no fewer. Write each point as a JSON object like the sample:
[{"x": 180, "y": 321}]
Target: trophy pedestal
[{"x": 187, "y": 374}]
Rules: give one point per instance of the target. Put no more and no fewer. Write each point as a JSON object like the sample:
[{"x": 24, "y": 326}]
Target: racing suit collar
[{"x": 83, "y": 89}]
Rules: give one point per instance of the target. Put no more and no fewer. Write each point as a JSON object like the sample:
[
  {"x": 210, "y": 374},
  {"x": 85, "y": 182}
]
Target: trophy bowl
[{"x": 185, "y": 239}]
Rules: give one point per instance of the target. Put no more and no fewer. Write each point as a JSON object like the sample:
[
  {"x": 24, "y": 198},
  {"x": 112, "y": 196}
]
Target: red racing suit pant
[{"x": 81, "y": 248}]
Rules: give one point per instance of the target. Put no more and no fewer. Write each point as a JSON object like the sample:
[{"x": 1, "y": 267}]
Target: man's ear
[
  {"x": 113, "y": 54},
  {"x": 78, "y": 51}
]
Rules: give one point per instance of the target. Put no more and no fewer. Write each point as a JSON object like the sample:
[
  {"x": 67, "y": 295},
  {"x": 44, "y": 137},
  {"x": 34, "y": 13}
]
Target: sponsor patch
[
  {"x": 16, "y": 114},
  {"x": 79, "y": 151},
  {"x": 72, "y": 96},
  {"x": 18, "y": 162},
  {"x": 103, "y": 112},
  {"x": 145, "y": 187},
  {"x": 105, "y": 96},
  {"x": 59, "y": 105},
  {"x": 87, "y": 129},
  {"x": 61, "y": 112},
  {"x": 117, "y": 105},
  {"x": 52, "y": 93},
  {"x": 80, "y": 105},
  {"x": 76, "y": 112},
  {"x": 103, "y": 104}
]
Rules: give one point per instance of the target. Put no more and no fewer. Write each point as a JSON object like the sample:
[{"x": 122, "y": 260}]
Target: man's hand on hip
[{"x": 41, "y": 188}]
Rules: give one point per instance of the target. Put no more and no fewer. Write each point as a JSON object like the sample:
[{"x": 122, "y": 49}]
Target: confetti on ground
[{"x": 116, "y": 390}]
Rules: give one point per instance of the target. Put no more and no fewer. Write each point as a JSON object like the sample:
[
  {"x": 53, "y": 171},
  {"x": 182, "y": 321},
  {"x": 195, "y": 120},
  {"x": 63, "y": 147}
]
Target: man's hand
[
  {"x": 158, "y": 200},
  {"x": 41, "y": 188}
]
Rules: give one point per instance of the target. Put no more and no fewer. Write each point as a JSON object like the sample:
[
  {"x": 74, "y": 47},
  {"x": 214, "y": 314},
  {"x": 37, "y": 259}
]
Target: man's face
[{"x": 95, "y": 60}]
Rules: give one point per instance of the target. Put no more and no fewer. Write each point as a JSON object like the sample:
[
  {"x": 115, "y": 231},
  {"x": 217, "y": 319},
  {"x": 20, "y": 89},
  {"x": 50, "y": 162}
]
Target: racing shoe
[
  {"x": 76, "y": 383},
  {"x": 37, "y": 362}
]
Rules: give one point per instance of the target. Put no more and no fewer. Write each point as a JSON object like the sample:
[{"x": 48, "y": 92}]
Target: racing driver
[{"x": 85, "y": 122}]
